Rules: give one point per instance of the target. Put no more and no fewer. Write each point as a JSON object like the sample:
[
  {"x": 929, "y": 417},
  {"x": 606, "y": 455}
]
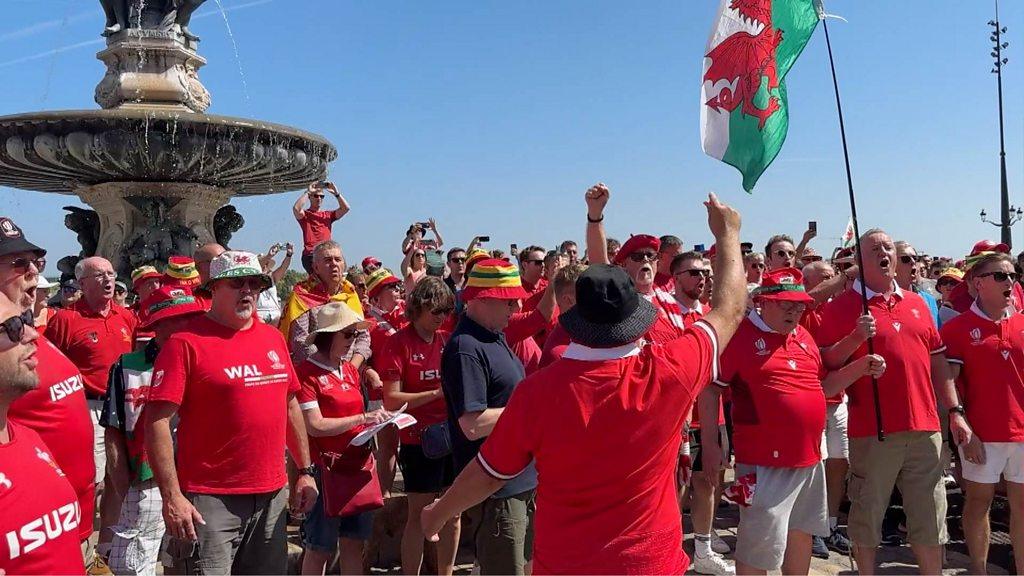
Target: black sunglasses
[
  {"x": 695, "y": 272},
  {"x": 643, "y": 256},
  {"x": 537, "y": 262},
  {"x": 1000, "y": 276},
  {"x": 21, "y": 265},
  {"x": 785, "y": 254},
  {"x": 320, "y": 196},
  {"x": 14, "y": 327},
  {"x": 458, "y": 260},
  {"x": 908, "y": 259}
]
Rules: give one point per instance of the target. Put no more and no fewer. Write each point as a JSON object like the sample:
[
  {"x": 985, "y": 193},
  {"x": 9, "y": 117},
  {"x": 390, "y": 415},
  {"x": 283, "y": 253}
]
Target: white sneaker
[
  {"x": 713, "y": 564},
  {"x": 719, "y": 545}
]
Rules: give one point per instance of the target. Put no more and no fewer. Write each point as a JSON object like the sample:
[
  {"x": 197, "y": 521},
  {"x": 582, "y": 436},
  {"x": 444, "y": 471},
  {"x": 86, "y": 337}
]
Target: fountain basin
[{"x": 65, "y": 151}]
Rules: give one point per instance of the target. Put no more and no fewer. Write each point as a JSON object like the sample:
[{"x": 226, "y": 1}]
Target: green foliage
[{"x": 284, "y": 287}]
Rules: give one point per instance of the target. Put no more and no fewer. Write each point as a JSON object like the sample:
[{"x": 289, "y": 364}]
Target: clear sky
[{"x": 495, "y": 116}]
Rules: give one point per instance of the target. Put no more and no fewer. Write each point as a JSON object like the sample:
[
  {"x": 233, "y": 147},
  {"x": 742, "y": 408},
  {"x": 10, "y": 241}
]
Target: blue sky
[{"x": 495, "y": 116}]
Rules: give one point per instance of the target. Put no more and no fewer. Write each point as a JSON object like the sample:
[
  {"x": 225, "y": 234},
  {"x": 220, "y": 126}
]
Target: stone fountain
[{"x": 156, "y": 169}]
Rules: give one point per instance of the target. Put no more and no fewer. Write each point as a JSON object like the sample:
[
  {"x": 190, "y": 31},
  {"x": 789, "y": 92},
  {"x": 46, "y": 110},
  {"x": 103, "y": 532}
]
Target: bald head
[
  {"x": 203, "y": 256},
  {"x": 817, "y": 272}
]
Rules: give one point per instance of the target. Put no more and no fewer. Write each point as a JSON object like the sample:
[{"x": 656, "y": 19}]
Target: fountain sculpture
[{"x": 157, "y": 171}]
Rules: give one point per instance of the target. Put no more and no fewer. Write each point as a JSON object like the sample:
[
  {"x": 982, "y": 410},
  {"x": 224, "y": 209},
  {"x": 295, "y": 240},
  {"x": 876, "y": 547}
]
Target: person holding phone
[{"x": 314, "y": 222}]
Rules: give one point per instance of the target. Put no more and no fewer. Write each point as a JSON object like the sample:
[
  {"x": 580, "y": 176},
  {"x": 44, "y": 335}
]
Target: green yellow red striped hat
[
  {"x": 494, "y": 278},
  {"x": 143, "y": 273},
  {"x": 477, "y": 255},
  {"x": 378, "y": 280},
  {"x": 181, "y": 271}
]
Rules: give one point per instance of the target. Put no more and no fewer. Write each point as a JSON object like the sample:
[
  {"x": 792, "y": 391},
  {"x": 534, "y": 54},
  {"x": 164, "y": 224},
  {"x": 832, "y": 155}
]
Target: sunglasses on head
[
  {"x": 14, "y": 327},
  {"x": 20, "y": 265},
  {"x": 643, "y": 256},
  {"x": 1000, "y": 276},
  {"x": 909, "y": 259}
]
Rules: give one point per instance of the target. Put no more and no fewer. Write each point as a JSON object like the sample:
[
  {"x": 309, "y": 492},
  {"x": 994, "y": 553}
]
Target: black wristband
[
  {"x": 592, "y": 221},
  {"x": 307, "y": 471}
]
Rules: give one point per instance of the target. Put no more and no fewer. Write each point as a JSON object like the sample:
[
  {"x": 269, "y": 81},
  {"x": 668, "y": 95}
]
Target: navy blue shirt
[{"x": 479, "y": 371}]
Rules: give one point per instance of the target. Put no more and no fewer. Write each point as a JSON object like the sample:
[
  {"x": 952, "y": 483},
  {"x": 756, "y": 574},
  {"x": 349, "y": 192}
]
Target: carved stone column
[
  {"x": 151, "y": 69},
  {"x": 145, "y": 222}
]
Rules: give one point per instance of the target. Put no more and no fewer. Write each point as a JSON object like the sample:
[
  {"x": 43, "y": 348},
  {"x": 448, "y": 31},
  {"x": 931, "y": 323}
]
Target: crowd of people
[{"x": 582, "y": 400}]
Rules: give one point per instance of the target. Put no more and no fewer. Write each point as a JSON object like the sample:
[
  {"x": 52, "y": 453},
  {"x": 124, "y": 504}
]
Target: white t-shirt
[{"x": 268, "y": 306}]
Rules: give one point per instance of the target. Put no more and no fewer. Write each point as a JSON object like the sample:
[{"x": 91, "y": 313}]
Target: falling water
[{"x": 238, "y": 58}]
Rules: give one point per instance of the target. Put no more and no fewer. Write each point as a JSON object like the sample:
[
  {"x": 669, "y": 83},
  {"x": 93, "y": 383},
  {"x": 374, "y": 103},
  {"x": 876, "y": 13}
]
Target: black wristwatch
[
  {"x": 959, "y": 409},
  {"x": 308, "y": 470}
]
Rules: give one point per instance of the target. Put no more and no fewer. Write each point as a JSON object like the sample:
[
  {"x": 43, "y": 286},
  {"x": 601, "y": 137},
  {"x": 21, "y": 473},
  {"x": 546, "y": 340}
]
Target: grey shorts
[
  {"x": 504, "y": 539},
  {"x": 785, "y": 499}
]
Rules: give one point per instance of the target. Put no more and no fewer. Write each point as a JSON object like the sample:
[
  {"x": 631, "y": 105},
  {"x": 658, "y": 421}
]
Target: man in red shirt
[
  {"x": 604, "y": 422},
  {"x": 638, "y": 256},
  {"x": 985, "y": 350},
  {"x": 93, "y": 333},
  {"x": 917, "y": 379},
  {"x": 775, "y": 371},
  {"x": 56, "y": 409},
  {"x": 41, "y": 515},
  {"x": 314, "y": 222},
  {"x": 961, "y": 298},
  {"x": 231, "y": 382},
  {"x": 565, "y": 296}
]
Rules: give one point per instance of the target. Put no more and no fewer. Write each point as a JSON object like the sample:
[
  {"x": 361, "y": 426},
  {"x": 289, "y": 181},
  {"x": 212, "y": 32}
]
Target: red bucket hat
[
  {"x": 638, "y": 242},
  {"x": 784, "y": 284},
  {"x": 494, "y": 278},
  {"x": 370, "y": 261},
  {"x": 181, "y": 272},
  {"x": 168, "y": 302}
]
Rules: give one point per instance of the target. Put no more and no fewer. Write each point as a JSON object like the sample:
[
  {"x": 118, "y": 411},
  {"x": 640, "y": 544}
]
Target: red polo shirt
[
  {"x": 991, "y": 357},
  {"x": 416, "y": 365},
  {"x": 93, "y": 342},
  {"x": 669, "y": 323},
  {"x": 336, "y": 394},
  {"x": 778, "y": 406},
  {"x": 906, "y": 337},
  {"x": 554, "y": 345},
  {"x": 57, "y": 411},
  {"x": 232, "y": 389},
  {"x": 39, "y": 526},
  {"x": 602, "y": 425},
  {"x": 689, "y": 316},
  {"x": 316, "y": 227}
]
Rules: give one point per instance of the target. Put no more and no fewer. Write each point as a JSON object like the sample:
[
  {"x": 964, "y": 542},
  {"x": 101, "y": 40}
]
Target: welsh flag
[
  {"x": 754, "y": 43},
  {"x": 848, "y": 234}
]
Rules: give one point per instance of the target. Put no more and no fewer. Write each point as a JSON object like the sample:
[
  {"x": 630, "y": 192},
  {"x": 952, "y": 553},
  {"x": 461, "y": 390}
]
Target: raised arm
[
  {"x": 407, "y": 259},
  {"x": 343, "y": 206},
  {"x": 597, "y": 245},
  {"x": 300, "y": 203},
  {"x": 729, "y": 296},
  {"x": 279, "y": 273},
  {"x": 437, "y": 233},
  {"x": 808, "y": 236}
]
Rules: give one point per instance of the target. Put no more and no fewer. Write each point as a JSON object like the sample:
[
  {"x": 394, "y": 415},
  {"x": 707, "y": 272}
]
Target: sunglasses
[
  {"x": 785, "y": 253},
  {"x": 252, "y": 283},
  {"x": 20, "y": 265},
  {"x": 908, "y": 259},
  {"x": 537, "y": 262},
  {"x": 458, "y": 260},
  {"x": 643, "y": 256},
  {"x": 119, "y": 291},
  {"x": 1000, "y": 276},
  {"x": 15, "y": 327},
  {"x": 349, "y": 334},
  {"x": 694, "y": 272},
  {"x": 318, "y": 196},
  {"x": 69, "y": 289},
  {"x": 442, "y": 311}
]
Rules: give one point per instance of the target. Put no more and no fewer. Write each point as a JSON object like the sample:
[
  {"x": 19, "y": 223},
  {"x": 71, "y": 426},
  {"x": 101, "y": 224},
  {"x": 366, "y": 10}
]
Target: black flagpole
[{"x": 856, "y": 227}]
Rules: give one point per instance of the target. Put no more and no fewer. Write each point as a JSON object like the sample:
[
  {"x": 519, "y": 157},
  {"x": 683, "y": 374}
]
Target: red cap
[
  {"x": 710, "y": 252},
  {"x": 370, "y": 261},
  {"x": 638, "y": 242},
  {"x": 783, "y": 284},
  {"x": 168, "y": 302},
  {"x": 989, "y": 246}
]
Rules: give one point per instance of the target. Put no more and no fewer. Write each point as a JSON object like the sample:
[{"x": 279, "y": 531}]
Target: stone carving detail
[
  {"x": 163, "y": 15},
  {"x": 86, "y": 224},
  {"x": 226, "y": 222},
  {"x": 156, "y": 236}
]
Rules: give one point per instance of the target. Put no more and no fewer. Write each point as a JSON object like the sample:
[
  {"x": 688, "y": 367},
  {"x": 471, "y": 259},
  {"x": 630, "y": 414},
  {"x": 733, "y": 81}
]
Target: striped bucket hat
[
  {"x": 181, "y": 271},
  {"x": 380, "y": 279},
  {"x": 494, "y": 278}
]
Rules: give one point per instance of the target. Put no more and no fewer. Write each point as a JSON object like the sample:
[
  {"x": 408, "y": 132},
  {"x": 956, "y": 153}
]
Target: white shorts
[
  {"x": 99, "y": 449},
  {"x": 139, "y": 531},
  {"x": 1001, "y": 459},
  {"x": 834, "y": 441}
]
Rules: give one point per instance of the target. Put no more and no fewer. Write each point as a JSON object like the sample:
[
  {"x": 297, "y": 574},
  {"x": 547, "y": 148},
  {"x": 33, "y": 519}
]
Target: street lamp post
[
  {"x": 1013, "y": 215},
  {"x": 1004, "y": 193}
]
